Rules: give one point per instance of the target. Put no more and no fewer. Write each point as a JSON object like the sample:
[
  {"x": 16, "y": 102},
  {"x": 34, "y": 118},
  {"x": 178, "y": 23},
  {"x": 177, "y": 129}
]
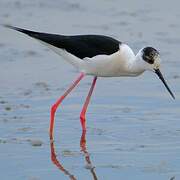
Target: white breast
[{"x": 113, "y": 65}]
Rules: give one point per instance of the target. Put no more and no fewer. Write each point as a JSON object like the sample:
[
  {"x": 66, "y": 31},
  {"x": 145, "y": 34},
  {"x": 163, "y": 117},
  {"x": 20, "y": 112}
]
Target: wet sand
[{"x": 133, "y": 128}]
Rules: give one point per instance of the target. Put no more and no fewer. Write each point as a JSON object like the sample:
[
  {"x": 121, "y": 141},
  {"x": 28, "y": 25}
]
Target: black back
[{"x": 81, "y": 45}]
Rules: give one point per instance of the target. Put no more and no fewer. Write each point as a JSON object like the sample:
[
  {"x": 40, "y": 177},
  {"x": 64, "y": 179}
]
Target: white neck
[{"x": 137, "y": 65}]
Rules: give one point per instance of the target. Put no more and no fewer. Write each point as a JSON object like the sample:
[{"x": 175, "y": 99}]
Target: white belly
[{"x": 114, "y": 65}]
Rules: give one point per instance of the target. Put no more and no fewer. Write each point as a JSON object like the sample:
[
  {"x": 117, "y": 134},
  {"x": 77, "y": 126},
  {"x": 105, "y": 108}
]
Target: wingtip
[
  {"x": 11, "y": 27},
  {"x": 7, "y": 26},
  {"x": 25, "y": 31}
]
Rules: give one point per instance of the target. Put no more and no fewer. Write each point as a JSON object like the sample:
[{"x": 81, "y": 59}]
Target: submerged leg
[
  {"x": 83, "y": 112},
  {"x": 58, "y": 102}
]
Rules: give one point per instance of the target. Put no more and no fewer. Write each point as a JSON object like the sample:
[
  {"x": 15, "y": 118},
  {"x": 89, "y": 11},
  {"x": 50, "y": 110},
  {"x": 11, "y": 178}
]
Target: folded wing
[{"x": 81, "y": 46}]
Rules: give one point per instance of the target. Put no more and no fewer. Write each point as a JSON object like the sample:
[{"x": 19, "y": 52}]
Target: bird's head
[{"x": 149, "y": 59}]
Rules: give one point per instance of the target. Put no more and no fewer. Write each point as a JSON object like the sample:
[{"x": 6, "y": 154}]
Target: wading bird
[{"x": 98, "y": 56}]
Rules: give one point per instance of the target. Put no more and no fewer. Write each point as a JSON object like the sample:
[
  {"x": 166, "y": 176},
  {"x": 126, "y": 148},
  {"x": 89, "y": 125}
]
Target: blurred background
[{"x": 133, "y": 127}]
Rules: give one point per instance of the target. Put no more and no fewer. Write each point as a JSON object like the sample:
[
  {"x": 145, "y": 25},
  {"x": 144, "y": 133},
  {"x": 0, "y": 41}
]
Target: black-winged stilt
[{"x": 99, "y": 56}]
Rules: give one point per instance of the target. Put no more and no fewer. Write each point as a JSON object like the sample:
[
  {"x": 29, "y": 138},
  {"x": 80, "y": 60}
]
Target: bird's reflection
[
  {"x": 57, "y": 162},
  {"x": 86, "y": 155}
]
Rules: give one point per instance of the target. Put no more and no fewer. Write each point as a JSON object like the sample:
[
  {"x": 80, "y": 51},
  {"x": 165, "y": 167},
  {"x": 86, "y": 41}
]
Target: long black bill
[{"x": 158, "y": 72}]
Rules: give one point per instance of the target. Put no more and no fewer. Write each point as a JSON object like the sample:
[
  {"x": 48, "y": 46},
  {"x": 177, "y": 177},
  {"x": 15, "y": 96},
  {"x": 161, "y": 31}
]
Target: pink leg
[
  {"x": 58, "y": 102},
  {"x": 83, "y": 112}
]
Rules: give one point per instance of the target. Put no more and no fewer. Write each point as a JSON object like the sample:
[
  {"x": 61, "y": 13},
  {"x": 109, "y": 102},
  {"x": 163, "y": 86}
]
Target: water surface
[{"x": 133, "y": 126}]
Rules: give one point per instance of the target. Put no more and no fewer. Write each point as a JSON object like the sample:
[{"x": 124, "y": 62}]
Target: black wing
[{"x": 81, "y": 45}]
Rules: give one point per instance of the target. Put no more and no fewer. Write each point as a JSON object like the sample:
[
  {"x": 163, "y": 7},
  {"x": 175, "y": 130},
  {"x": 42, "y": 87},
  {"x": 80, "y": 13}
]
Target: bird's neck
[{"x": 136, "y": 66}]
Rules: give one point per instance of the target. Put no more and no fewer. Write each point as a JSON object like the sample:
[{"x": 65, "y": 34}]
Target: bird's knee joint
[
  {"x": 53, "y": 108},
  {"x": 82, "y": 117}
]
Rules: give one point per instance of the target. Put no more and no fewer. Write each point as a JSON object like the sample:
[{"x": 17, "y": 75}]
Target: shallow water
[{"x": 133, "y": 126}]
